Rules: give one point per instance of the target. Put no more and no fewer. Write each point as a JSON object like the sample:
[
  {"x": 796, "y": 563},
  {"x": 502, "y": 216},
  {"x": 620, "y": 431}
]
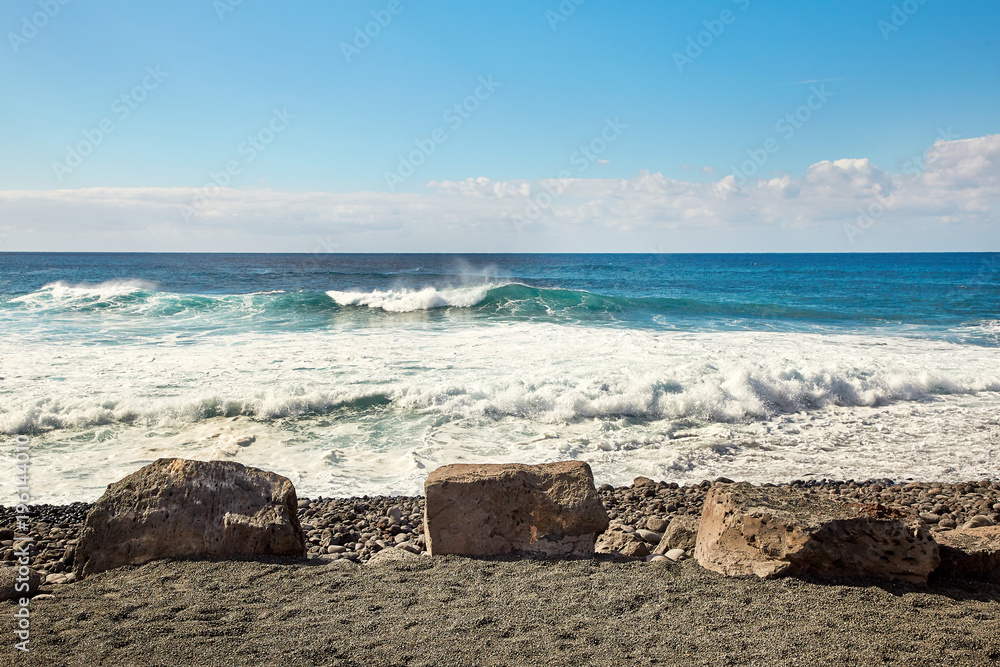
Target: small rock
[
  {"x": 649, "y": 536},
  {"x": 676, "y": 554},
  {"x": 626, "y": 543},
  {"x": 657, "y": 524},
  {"x": 643, "y": 481},
  {"x": 656, "y": 558},
  {"x": 402, "y": 537},
  {"x": 978, "y": 521}
]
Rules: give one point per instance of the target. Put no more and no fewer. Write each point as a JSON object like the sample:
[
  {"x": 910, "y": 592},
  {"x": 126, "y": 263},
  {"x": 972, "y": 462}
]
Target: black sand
[{"x": 456, "y": 611}]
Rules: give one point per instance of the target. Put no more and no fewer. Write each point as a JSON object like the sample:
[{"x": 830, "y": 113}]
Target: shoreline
[
  {"x": 358, "y": 527},
  {"x": 341, "y": 607}
]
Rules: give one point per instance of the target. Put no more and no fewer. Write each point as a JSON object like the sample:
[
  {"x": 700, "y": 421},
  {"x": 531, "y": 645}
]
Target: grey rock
[{"x": 9, "y": 584}]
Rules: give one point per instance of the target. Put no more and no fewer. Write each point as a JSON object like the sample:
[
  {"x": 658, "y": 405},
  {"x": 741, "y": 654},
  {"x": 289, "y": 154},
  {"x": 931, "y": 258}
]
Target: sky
[{"x": 514, "y": 126}]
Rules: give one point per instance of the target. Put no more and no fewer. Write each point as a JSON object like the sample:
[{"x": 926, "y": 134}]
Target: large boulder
[
  {"x": 785, "y": 531},
  {"x": 484, "y": 510},
  {"x": 970, "y": 553},
  {"x": 180, "y": 508}
]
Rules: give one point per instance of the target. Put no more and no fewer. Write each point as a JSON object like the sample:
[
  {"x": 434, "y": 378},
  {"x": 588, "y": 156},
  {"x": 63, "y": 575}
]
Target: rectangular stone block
[{"x": 492, "y": 509}]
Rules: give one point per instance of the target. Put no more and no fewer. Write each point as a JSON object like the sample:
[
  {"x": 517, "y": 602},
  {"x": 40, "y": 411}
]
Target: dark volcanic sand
[{"x": 456, "y": 611}]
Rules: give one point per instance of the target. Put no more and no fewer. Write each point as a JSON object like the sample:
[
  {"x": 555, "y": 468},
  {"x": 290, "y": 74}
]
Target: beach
[
  {"x": 340, "y": 609},
  {"x": 453, "y": 610}
]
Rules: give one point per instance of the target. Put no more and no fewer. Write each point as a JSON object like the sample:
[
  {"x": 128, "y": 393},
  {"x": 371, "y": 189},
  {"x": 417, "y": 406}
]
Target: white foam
[
  {"x": 406, "y": 300},
  {"x": 665, "y": 404},
  {"x": 91, "y": 292}
]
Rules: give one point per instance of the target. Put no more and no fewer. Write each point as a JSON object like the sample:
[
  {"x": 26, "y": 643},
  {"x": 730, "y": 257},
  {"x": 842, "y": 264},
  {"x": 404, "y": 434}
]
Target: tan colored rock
[
  {"x": 483, "y": 510},
  {"x": 784, "y": 531},
  {"x": 625, "y": 542},
  {"x": 682, "y": 533},
  {"x": 179, "y": 508},
  {"x": 970, "y": 553}
]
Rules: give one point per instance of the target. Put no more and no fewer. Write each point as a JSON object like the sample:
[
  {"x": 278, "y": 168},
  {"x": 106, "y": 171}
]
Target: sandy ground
[{"x": 457, "y": 611}]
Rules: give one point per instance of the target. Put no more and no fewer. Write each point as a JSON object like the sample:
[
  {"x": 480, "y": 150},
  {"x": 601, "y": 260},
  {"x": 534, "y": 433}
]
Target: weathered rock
[
  {"x": 784, "y": 531},
  {"x": 11, "y": 588},
  {"x": 622, "y": 540},
  {"x": 970, "y": 553},
  {"x": 978, "y": 521},
  {"x": 682, "y": 533},
  {"x": 483, "y": 510},
  {"x": 180, "y": 508}
]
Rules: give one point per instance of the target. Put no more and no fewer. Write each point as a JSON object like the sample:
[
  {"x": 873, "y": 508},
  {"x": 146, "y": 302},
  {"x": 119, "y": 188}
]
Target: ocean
[{"x": 359, "y": 374}]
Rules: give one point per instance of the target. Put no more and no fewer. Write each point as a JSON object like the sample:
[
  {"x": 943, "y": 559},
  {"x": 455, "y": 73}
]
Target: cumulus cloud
[{"x": 956, "y": 182}]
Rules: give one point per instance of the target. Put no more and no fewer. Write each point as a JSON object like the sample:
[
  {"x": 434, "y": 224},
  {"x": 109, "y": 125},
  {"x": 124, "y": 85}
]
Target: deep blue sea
[{"x": 359, "y": 373}]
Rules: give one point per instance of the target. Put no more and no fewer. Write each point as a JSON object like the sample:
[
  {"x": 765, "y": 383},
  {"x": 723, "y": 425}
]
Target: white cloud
[{"x": 960, "y": 185}]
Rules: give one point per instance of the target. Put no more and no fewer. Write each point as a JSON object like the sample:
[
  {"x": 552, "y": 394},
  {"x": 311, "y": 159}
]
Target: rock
[
  {"x": 643, "y": 481},
  {"x": 484, "y": 510},
  {"x": 55, "y": 579},
  {"x": 656, "y": 558},
  {"x": 657, "y": 524},
  {"x": 303, "y": 504},
  {"x": 970, "y": 553},
  {"x": 978, "y": 521},
  {"x": 676, "y": 554},
  {"x": 784, "y": 531},
  {"x": 624, "y": 542},
  {"x": 682, "y": 533},
  {"x": 180, "y": 508},
  {"x": 948, "y": 523},
  {"x": 6, "y": 534},
  {"x": 649, "y": 535},
  {"x": 401, "y": 537},
  {"x": 10, "y": 585}
]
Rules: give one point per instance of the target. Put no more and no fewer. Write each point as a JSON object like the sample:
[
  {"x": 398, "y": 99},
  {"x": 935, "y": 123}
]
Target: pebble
[
  {"x": 676, "y": 554},
  {"x": 649, "y": 535},
  {"x": 357, "y": 528}
]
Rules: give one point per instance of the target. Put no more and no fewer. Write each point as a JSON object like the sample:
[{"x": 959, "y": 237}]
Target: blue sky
[{"x": 888, "y": 91}]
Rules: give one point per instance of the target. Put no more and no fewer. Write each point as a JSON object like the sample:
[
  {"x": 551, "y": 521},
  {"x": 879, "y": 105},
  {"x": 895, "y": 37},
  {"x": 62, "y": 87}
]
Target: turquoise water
[{"x": 356, "y": 373}]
